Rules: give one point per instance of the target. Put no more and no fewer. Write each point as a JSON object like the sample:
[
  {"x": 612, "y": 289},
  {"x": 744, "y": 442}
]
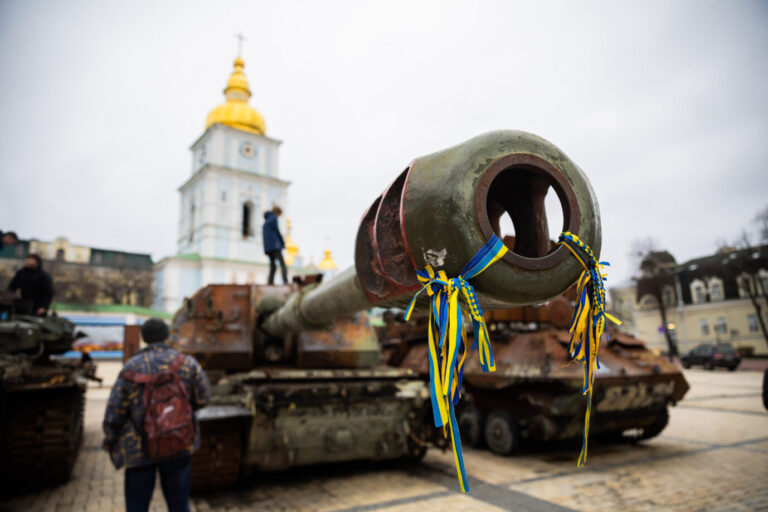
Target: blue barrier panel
[{"x": 103, "y": 355}]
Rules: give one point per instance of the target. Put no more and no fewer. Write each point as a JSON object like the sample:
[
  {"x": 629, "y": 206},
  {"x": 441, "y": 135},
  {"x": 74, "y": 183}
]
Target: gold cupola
[
  {"x": 327, "y": 263},
  {"x": 235, "y": 111},
  {"x": 291, "y": 249}
]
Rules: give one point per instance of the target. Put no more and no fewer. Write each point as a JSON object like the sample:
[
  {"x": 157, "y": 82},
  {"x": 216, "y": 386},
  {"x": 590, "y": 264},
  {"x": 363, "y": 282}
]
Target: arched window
[
  {"x": 715, "y": 290},
  {"x": 697, "y": 291},
  {"x": 762, "y": 277},
  {"x": 191, "y": 221},
  {"x": 247, "y": 220},
  {"x": 59, "y": 254},
  {"x": 648, "y": 302},
  {"x": 746, "y": 285}
]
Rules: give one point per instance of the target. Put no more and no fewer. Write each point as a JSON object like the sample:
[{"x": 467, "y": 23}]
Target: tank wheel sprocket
[
  {"x": 501, "y": 433},
  {"x": 471, "y": 427}
]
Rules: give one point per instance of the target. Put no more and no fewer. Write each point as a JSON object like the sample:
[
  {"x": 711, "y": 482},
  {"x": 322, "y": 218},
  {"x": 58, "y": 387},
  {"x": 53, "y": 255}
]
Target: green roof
[
  {"x": 197, "y": 257},
  {"x": 190, "y": 257},
  {"x": 110, "y": 308}
]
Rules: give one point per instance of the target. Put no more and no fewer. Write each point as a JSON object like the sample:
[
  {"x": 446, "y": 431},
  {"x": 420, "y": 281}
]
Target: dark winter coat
[
  {"x": 125, "y": 408},
  {"x": 270, "y": 234},
  {"x": 36, "y": 286}
]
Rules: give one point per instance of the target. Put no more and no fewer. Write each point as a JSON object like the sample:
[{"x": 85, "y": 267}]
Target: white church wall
[
  {"x": 159, "y": 288},
  {"x": 189, "y": 281}
]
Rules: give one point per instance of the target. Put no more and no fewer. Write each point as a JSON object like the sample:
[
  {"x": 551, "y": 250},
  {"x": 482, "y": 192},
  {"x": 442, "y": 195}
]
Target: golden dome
[
  {"x": 327, "y": 263},
  {"x": 235, "y": 111},
  {"x": 291, "y": 249}
]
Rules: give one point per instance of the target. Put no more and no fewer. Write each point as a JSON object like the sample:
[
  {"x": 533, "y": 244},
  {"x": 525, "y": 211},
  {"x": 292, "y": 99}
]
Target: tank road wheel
[
  {"x": 216, "y": 464},
  {"x": 501, "y": 433},
  {"x": 471, "y": 427},
  {"x": 653, "y": 429}
]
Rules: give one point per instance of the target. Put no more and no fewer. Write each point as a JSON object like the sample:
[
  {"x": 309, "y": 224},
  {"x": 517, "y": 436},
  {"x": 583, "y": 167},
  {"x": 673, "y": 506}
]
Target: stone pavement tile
[
  {"x": 322, "y": 493},
  {"x": 714, "y": 383},
  {"x": 489, "y": 467},
  {"x": 375, "y": 487},
  {"x": 759, "y": 447},
  {"x": 700, "y": 481},
  {"x": 715, "y": 427},
  {"x": 753, "y": 403},
  {"x": 458, "y": 502}
]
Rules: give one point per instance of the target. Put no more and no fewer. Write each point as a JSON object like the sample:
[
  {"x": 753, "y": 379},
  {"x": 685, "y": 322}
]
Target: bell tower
[{"x": 234, "y": 178}]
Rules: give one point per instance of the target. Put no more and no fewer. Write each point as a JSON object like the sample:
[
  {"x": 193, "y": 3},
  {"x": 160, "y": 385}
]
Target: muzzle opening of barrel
[{"x": 512, "y": 203}]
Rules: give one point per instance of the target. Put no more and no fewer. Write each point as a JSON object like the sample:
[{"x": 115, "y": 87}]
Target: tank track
[
  {"x": 217, "y": 463},
  {"x": 41, "y": 435}
]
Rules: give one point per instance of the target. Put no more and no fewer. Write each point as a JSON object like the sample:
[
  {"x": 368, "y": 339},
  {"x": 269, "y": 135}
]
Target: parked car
[{"x": 712, "y": 356}]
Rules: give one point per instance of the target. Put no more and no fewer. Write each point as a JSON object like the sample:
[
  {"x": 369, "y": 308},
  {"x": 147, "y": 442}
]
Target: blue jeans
[{"x": 174, "y": 480}]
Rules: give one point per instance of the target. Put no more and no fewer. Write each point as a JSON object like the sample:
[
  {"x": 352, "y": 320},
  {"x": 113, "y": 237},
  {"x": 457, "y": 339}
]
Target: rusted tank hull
[
  {"x": 220, "y": 326},
  {"x": 535, "y": 394},
  {"x": 319, "y": 396},
  {"x": 273, "y": 420}
]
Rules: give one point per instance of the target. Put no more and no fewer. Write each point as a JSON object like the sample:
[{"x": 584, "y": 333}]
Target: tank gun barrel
[{"x": 440, "y": 211}]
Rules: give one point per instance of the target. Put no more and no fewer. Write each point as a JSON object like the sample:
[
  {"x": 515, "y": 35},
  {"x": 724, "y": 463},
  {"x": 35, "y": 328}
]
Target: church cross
[{"x": 240, "y": 38}]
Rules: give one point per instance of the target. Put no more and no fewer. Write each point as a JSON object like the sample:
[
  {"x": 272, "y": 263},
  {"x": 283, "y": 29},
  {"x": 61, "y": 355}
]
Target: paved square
[{"x": 712, "y": 456}]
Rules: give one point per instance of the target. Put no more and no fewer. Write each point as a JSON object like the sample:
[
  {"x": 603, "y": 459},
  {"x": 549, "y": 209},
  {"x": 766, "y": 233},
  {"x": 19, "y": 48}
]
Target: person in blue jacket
[{"x": 273, "y": 244}]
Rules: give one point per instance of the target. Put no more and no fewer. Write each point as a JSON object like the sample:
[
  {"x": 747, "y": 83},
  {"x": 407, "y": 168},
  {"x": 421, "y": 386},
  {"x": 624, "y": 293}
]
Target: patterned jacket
[{"x": 125, "y": 409}]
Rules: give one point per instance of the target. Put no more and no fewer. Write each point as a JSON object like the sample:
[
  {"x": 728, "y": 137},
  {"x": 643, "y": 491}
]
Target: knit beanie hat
[{"x": 154, "y": 330}]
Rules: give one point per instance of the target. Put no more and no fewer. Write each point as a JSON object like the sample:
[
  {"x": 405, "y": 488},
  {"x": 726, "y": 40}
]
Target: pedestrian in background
[
  {"x": 7, "y": 238},
  {"x": 273, "y": 244},
  {"x": 149, "y": 424},
  {"x": 36, "y": 287}
]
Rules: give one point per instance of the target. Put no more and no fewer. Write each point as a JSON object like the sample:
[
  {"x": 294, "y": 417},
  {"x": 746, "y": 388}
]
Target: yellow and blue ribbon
[
  {"x": 588, "y": 322},
  {"x": 448, "y": 341}
]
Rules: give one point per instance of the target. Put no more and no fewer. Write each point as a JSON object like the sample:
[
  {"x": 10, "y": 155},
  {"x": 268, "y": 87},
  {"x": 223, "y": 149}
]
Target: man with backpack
[{"x": 149, "y": 424}]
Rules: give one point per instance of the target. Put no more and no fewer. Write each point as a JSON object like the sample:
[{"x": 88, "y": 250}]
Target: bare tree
[
  {"x": 657, "y": 273},
  {"x": 127, "y": 285},
  {"x": 761, "y": 220},
  {"x": 639, "y": 247},
  {"x": 746, "y": 267}
]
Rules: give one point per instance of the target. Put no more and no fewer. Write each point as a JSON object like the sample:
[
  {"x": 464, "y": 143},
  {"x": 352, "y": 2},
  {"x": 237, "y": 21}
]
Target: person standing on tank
[
  {"x": 125, "y": 427},
  {"x": 274, "y": 244},
  {"x": 36, "y": 287}
]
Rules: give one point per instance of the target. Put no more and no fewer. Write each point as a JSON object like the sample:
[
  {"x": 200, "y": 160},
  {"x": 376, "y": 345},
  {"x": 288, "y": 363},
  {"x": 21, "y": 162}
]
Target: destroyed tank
[
  {"x": 41, "y": 398},
  {"x": 535, "y": 394},
  {"x": 297, "y": 369}
]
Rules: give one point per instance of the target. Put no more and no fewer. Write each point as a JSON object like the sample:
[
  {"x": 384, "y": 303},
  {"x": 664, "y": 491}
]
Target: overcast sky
[{"x": 663, "y": 104}]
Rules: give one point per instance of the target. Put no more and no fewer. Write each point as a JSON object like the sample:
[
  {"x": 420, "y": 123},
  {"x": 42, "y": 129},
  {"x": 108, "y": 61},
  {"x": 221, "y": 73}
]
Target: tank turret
[
  {"x": 42, "y": 399},
  {"x": 29, "y": 334}
]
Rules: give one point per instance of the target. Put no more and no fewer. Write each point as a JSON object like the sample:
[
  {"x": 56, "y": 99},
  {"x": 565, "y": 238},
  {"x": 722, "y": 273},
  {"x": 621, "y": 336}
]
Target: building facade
[
  {"x": 707, "y": 300},
  {"x": 234, "y": 180},
  {"x": 85, "y": 275}
]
